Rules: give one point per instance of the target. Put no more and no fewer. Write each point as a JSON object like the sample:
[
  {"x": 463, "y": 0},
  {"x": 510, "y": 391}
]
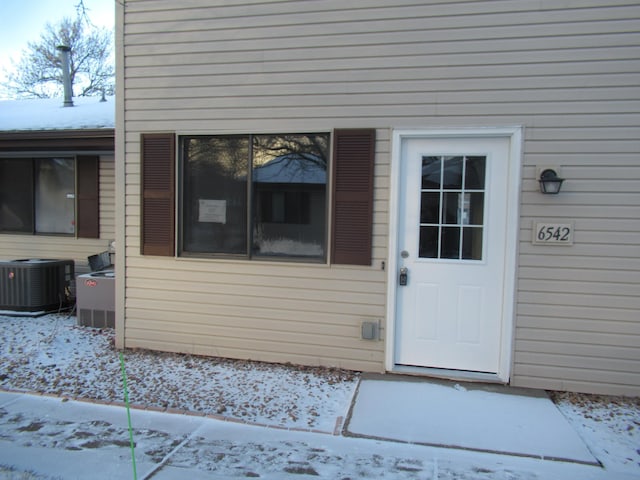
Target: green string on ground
[{"x": 126, "y": 401}]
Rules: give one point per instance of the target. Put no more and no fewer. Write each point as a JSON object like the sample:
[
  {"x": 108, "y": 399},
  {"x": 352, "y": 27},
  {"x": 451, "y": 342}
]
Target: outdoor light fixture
[{"x": 550, "y": 182}]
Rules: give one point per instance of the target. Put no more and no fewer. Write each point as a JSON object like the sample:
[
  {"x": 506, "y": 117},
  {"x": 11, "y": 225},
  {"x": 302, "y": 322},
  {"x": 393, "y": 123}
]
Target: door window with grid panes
[{"x": 452, "y": 207}]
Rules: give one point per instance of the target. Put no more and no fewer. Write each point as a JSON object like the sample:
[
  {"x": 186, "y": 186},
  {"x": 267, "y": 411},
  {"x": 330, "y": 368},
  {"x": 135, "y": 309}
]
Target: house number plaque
[{"x": 548, "y": 233}]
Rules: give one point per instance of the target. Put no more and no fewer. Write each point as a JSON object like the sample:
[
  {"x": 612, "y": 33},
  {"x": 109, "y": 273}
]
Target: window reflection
[
  {"x": 289, "y": 192},
  {"x": 255, "y": 195},
  {"x": 215, "y": 194}
]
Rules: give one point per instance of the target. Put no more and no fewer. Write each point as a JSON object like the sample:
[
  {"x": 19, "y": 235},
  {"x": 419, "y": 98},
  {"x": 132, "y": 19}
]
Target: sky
[{"x": 23, "y": 21}]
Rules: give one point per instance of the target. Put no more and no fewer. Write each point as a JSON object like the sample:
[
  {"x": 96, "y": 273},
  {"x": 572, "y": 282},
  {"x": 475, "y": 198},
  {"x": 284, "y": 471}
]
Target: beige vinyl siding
[
  {"x": 64, "y": 247},
  {"x": 14, "y": 247},
  {"x": 262, "y": 312},
  {"x": 578, "y": 326},
  {"x": 567, "y": 72}
]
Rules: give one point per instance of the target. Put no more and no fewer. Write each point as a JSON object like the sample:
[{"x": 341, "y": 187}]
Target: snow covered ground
[
  {"x": 52, "y": 355},
  {"x": 610, "y": 427}
]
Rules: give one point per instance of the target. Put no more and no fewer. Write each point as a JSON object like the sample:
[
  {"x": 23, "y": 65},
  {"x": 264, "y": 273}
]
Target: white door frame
[{"x": 514, "y": 134}]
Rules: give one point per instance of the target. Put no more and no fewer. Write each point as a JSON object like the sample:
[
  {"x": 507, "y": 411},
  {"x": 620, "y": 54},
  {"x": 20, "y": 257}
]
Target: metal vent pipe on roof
[{"x": 66, "y": 75}]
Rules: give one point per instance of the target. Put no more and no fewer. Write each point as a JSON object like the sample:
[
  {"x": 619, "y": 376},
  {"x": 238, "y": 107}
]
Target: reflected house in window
[{"x": 289, "y": 206}]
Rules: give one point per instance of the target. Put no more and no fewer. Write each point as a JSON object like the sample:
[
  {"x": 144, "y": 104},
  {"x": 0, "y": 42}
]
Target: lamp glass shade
[{"x": 550, "y": 183}]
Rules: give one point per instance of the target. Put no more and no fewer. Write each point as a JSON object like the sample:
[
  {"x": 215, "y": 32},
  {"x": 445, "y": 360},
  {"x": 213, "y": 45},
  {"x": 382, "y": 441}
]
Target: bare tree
[
  {"x": 39, "y": 73},
  {"x": 312, "y": 148}
]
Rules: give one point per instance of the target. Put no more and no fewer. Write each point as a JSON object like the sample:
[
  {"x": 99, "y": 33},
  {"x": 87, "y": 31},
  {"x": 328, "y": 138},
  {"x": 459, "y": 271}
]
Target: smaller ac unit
[
  {"x": 34, "y": 285},
  {"x": 96, "y": 299}
]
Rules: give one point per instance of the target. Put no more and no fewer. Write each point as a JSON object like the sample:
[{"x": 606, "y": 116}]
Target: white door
[{"x": 451, "y": 246}]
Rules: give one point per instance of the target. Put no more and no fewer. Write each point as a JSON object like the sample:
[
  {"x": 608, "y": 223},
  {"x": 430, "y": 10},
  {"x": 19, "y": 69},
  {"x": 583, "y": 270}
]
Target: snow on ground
[
  {"x": 50, "y": 354},
  {"x": 610, "y": 426}
]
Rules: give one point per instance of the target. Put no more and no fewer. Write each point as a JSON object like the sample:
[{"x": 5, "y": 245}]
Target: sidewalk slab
[{"x": 481, "y": 418}]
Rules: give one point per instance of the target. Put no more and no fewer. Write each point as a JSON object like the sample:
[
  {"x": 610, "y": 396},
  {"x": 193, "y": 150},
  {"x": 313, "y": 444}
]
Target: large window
[
  {"x": 38, "y": 196},
  {"x": 255, "y": 195}
]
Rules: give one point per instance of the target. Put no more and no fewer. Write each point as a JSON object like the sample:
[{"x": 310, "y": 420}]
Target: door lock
[{"x": 404, "y": 276}]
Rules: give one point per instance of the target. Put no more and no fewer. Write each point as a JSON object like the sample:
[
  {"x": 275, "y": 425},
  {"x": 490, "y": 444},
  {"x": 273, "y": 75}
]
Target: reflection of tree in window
[
  {"x": 215, "y": 169},
  {"x": 289, "y": 191},
  {"x": 312, "y": 149},
  {"x": 287, "y": 175}
]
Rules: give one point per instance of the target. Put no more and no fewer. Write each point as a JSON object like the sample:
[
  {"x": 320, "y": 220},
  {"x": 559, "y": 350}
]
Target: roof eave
[{"x": 87, "y": 140}]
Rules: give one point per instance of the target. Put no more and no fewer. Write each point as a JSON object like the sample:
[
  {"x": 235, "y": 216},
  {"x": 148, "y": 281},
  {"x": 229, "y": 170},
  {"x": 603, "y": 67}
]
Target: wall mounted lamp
[{"x": 550, "y": 182}]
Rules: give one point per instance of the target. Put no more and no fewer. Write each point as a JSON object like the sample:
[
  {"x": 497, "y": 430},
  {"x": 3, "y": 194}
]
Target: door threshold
[{"x": 442, "y": 373}]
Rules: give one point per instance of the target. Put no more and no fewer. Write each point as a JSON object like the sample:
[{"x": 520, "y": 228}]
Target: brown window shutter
[
  {"x": 88, "y": 197},
  {"x": 158, "y": 194},
  {"x": 353, "y": 157}
]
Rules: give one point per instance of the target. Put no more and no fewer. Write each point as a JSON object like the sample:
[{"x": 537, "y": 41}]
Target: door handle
[{"x": 403, "y": 278}]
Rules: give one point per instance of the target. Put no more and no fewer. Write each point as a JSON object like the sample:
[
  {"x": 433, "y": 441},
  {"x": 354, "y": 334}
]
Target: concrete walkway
[
  {"x": 48, "y": 438},
  {"x": 485, "y": 418}
]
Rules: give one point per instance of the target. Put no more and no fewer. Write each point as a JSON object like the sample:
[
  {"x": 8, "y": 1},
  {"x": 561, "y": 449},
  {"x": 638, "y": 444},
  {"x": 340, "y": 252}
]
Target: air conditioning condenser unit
[
  {"x": 96, "y": 299},
  {"x": 36, "y": 285}
]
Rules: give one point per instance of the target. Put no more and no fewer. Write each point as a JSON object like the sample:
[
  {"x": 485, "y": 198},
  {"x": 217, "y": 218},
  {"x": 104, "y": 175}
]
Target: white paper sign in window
[{"x": 212, "y": 211}]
